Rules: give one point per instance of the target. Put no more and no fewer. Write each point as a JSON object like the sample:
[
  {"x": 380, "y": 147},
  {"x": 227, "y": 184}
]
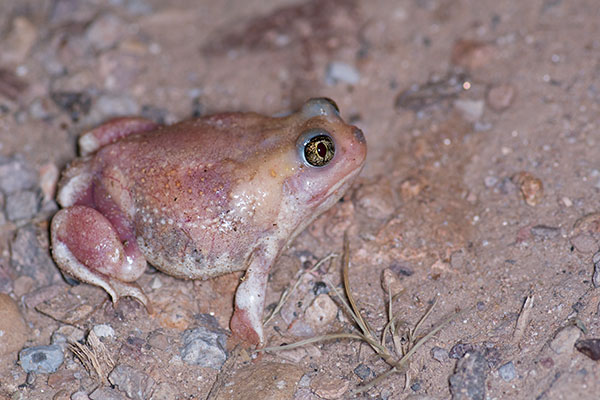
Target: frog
[{"x": 201, "y": 198}]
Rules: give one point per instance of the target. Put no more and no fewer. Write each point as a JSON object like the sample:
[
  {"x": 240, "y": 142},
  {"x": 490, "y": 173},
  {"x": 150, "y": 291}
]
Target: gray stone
[
  {"x": 106, "y": 393},
  {"x": 204, "y": 347},
  {"x": 136, "y": 384},
  {"x": 29, "y": 258},
  {"x": 16, "y": 175},
  {"x": 468, "y": 380},
  {"x": 22, "y": 205},
  {"x": 341, "y": 72},
  {"x": 507, "y": 371},
  {"x": 41, "y": 359}
]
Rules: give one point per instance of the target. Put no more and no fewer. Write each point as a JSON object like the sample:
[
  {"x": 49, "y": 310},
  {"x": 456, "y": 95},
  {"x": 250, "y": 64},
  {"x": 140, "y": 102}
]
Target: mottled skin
[{"x": 199, "y": 199}]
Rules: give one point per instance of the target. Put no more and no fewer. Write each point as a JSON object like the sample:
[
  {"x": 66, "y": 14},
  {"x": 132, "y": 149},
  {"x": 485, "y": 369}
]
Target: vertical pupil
[{"x": 321, "y": 149}]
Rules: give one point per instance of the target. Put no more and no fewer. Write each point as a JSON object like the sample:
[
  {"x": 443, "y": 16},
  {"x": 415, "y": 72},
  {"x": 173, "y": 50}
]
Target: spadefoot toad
[{"x": 201, "y": 198}]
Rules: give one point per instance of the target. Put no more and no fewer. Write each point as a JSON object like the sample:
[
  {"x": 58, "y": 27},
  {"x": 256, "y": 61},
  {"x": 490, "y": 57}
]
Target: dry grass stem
[{"x": 94, "y": 356}]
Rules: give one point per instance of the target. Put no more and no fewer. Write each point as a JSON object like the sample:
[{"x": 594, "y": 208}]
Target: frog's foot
[
  {"x": 247, "y": 320},
  {"x": 112, "y": 131},
  {"x": 86, "y": 246}
]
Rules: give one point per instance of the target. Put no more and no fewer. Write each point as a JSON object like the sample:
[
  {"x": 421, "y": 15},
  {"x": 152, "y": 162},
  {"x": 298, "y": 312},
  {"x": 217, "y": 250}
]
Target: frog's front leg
[
  {"x": 86, "y": 246},
  {"x": 247, "y": 320}
]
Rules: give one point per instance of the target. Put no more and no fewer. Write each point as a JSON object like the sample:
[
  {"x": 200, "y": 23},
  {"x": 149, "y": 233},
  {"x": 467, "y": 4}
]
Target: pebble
[
  {"x": 471, "y": 110},
  {"x": 596, "y": 275},
  {"x": 362, "y": 371},
  {"x": 29, "y": 258},
  {"x": 22, "y": 205},
  {"x": 16, "y": 175},
  {"x": 468, "y": 380},
  {"x": 106, "y": 393},
  {"x": 439, "y": 354},
  {"x": 136, "y": 384},
  {"x": 376, "y": 200},
  {"x": 41, "y": 359},
  {"x": 500, "y": 97},
  {"x": 67, "y": 333},
  {"x": 13, "y": 330},
  {"x": 164, "y": 391},
  {"x": 507, "y": 371},
  {"x": 329, "y": 387},
  {"x": 266, "y": 380},
  {"x": 530, "y": 186},
  {"x": 460, "y": 349},
  {"x": 490, "y": 181},
  {"x": 471, "y": 54},
  {"x": 76, "y": 104},
  {"x": 106, "y": 31},
  {"x": 321, "y": 313},
  {"x": 565, "y": 339},
  {"x": 391, "y": 282},
  {"x": 104, "y": 331},
  {"x": 589, "y": 347},
  {"x": 341, "y": 72},
  {"x": 204, "y": 347},
  {"x": 115, "y": 105},
  {"x": 48, "y": 180},
  {"x": 545, "y": 232},
  {"x": 19, "y": 41},
  {"x": 584, "y": 243}
]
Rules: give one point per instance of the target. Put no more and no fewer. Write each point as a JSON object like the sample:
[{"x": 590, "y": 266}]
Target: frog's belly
[{"x": 173, "y": 252}]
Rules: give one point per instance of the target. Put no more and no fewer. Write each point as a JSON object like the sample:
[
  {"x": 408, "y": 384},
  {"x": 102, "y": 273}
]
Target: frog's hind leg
[
  {"x": 86, "y": 246},
  {"x": 112, "y": 131}
]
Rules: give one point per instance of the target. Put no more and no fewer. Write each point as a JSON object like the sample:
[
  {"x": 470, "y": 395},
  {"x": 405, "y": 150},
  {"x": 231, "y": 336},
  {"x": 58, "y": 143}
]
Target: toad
[{"x": 201, "y": 198}]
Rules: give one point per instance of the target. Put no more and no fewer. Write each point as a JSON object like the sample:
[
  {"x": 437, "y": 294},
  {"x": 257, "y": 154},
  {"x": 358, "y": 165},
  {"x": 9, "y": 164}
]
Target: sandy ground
[{"x": 479, "y": 193}]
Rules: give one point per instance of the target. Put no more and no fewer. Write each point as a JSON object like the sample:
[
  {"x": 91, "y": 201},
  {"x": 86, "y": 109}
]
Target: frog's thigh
[
  {"x": 112, "y": 131},
  {"x": 86, "y": 246}
]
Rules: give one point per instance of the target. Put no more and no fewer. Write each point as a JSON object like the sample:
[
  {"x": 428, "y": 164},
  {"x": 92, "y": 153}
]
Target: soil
[{"x": 479, "y": 194}]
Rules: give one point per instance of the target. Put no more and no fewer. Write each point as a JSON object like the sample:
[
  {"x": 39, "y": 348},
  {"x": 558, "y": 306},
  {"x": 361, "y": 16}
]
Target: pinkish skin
[{"x": 198, "y": 199}]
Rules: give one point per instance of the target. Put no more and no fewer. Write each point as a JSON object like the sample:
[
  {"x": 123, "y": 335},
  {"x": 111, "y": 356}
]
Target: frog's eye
[{"x": 317, "y": 147}]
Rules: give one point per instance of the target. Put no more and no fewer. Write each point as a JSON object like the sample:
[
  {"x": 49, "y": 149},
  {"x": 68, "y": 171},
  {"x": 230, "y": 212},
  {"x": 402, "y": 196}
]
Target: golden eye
[{"x": 319, "y": 150}]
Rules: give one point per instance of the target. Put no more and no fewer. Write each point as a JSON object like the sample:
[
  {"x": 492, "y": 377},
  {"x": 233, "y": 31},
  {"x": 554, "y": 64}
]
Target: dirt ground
[{"x": 479, "y": 194}]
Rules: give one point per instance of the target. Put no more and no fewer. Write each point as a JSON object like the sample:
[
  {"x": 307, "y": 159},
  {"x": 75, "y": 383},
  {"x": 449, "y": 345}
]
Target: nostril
[{"x": 359, "y": 135}]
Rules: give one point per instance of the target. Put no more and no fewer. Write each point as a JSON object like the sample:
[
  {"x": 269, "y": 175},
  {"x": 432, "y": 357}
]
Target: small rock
[
  {"x": 530, "y": 186},
  {"x": 82, "y": 395},
  {"x": 565, "y": 339},
  {"x": 16, "y": 175},
  {"x": 362, "y": 371},
  {"x": 471, "y": 54},
  {"x": 589, "y": 347},
  {"x": 341, "y": 72},
  {"x": 321, "y": 313},
  {"x": 104, "y": 331},
  {"x": 266, "y": 380},
  {"x": 329, "y": 387},
  {"x": 204, "y": 347},
  {"x": 490, "y": 181},
  {"x": 471, "y": 110},
  {"x": 76, "y": 104},
  {"x": 584, "y": 243},
  {"x": 320, "y": 287},
  {"x": 391, "y": 282},
  {"x": 411, "y": 187},
  {"x": 164, "y": 391},
  {"x": 499, "y": 98},
  {"x": 67, "y": 333},
  {"x": 19, "y": 41},
  {"x": 460, "y": 349},
  {"x": 401, "y": 268},
  {"x": 596, "y": 275},
  {"x": 13, "y": 330},
  {"x": 115, "y": 105},
  {"x": 29, "y": 258},
  {"x": 48, "y": 180},
  {"x": 415, "y": 387},
  {"x": 136, "y": 384},
  {"x": 22, "y": 205},
  {"x": 42, "y": 108},
  {"x": 545, "y": 232},
  {"x": 41, "y": 359},
  {"x": 507, "y": 371},
  {"x": 468, "y": 380},
  {"x": 106, "y": 31},
  {"x": 439, "y": 354},
  {"x": 106, "y": 393},
  {"x": 377, "y": 200}
]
